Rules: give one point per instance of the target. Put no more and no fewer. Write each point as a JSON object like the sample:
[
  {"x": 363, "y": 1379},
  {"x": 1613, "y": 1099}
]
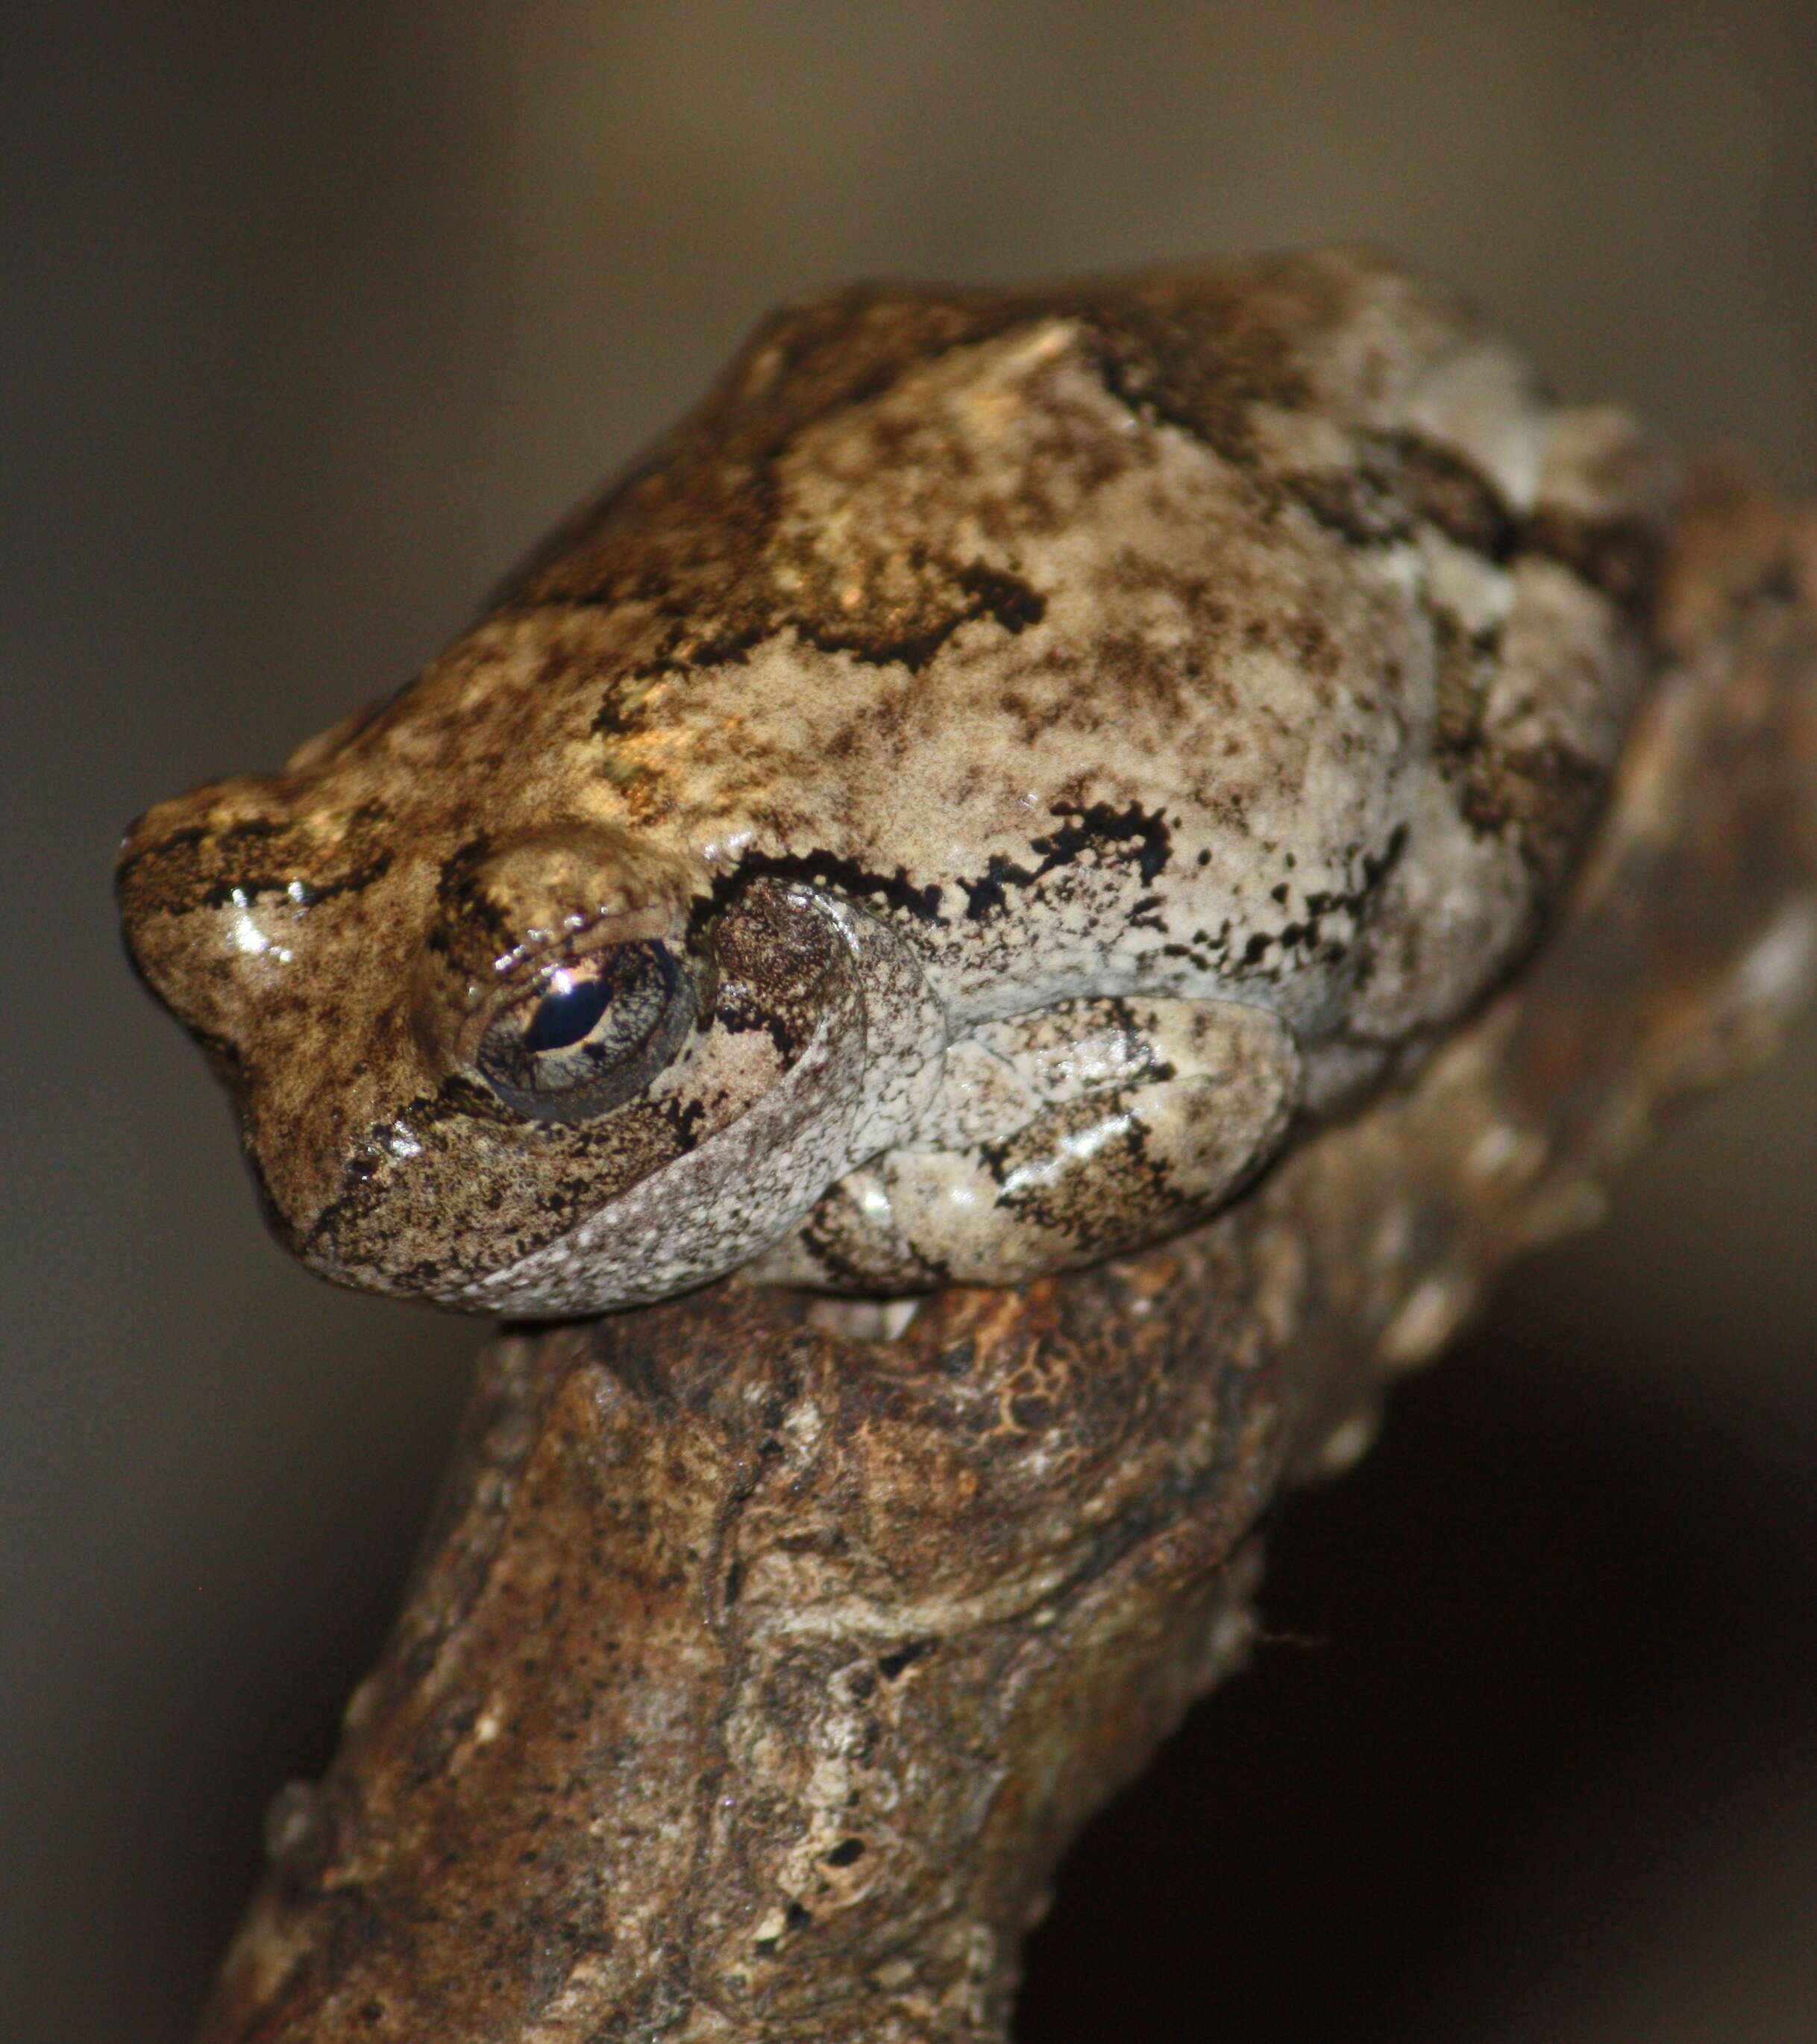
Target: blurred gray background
[{"x": 316, "y": 316}]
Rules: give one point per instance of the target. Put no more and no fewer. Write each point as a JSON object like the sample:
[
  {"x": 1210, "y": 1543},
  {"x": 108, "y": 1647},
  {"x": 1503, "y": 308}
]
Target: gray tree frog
[{"x": 984, "y": 783}]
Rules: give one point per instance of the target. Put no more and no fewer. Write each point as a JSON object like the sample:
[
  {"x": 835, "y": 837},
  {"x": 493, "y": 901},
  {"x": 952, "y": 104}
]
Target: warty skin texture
[{"x": 1030, "y": 752}]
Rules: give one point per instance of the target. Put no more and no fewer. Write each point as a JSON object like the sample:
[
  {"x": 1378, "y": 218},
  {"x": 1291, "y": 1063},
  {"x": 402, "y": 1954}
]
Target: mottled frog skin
[{"x": 1007, "y": 764}]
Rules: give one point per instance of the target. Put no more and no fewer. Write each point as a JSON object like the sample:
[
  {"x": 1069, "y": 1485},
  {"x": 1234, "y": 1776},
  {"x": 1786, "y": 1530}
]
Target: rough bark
[{"x": 755, "y": 1674}]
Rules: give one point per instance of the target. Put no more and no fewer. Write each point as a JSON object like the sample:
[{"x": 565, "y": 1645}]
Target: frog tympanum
[{"x": 1006, "y": 766}]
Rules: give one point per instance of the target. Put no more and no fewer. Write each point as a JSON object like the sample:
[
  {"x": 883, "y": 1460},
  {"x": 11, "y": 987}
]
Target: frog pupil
[{"x": 567, "y": 1014}]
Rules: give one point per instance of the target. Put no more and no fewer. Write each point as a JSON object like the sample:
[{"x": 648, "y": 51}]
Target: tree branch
[{"x": 754, "y": 1675}]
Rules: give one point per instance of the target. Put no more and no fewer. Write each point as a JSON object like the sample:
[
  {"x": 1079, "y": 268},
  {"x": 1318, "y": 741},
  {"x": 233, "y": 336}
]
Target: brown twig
[{"x": 754, "y": 1676}]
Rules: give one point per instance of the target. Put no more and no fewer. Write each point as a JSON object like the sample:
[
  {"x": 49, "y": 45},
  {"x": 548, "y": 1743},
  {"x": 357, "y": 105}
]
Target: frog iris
[{"x": 592, "y": 1031}]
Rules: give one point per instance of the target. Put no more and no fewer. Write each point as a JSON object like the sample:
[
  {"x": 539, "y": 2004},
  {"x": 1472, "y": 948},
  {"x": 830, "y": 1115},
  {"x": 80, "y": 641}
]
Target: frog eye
[{"x": 593, "y": 1032}]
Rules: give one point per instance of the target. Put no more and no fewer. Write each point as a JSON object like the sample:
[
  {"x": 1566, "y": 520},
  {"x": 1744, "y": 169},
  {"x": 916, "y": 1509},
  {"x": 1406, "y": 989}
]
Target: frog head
[{"x": 525, "y": 1063}]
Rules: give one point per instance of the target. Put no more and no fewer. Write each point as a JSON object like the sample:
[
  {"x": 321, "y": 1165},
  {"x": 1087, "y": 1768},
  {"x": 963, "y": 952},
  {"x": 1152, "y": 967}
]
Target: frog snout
[{"x": 220, "y": 894}]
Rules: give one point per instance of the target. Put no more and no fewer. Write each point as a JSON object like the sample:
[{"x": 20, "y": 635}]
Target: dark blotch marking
[
  {"x": 1006, "y": 599},
  {"x": 891, "y": 1664},
  {"x": 828, "y": 868},
  {"x": 1099, "y": 824},
  {"x": 197, "y": 868},
  {"x": 741, "y": 1012},
  {"x": 987, "y": 894},
  {"x": 1456, "y": 497},
  {"x": 1118, "y": 1198},
  {"x": 305, "y": 894},
  {"x": 187, "y": 840},
  {"x": 1378, "y": 865},
  {"x": 618, "y": 714},
  {"x": 1403, "y": 478},
  {"x": 464, "y": 909},
  {"x": 1199, "y": 354},
  {"x": 687, "y": 1120},
  {"x": 1544, "y": 796},
  {"x": 774, "y": 962},
  {"x": 1400, "y": 479},
  {"x": 821, "y": 1238},
  {"x": 843, "y": 1239},
  {"x": 1621, "y": 557},
  {"x": 1306, "y": 933},
  {"x": 1093, "y": 828}
]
